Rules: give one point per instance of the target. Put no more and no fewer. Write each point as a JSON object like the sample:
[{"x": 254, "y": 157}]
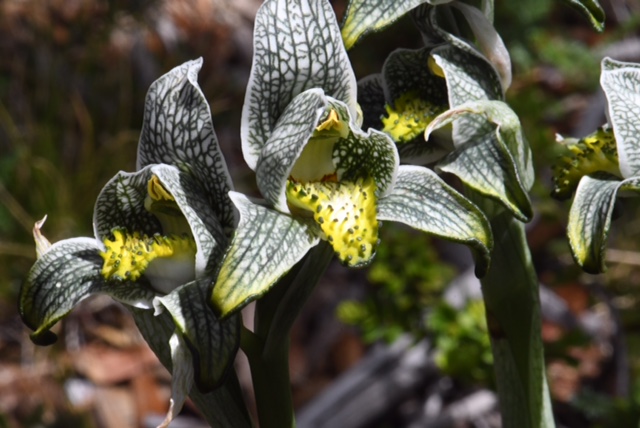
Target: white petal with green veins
[
  {"x": 297, "y": 46},
  {"x": 367, "y": 16},
  {"x": 67, "y": 273},
  {"x": 621, "y": 84},
  {"x": 495, "y": 160},
  {"x": 590, "y": 218},
  {"x": 346, "y": 212},
  {"x": 266, "y": 245},
  {"x": 284, "y": 146},
  {"x": 219, "y": 406},
  {"x": 423, "y": 201},
  {"x": 178, "y": 130},
  {"x": 212, "y": 343}
]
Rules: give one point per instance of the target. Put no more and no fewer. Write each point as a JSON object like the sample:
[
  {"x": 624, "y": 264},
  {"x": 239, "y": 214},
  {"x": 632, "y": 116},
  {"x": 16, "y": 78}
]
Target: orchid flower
[
  {"x": 443, "y": 104},
  {"x": 322, "y": 177},
  {"x": 159, "y": 235},
  {"x": 602, "y": 166}
]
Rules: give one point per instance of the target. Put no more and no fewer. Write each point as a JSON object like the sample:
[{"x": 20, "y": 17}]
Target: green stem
[
  {"x": 268, "y": 348},
  {"x": 511, "y": 295}
]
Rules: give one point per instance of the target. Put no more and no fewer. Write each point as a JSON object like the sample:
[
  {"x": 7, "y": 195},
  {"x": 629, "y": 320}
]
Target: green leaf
[
  {"x": 285, "y": 144},
  {"x": 495, "y": 159},
  {"x": 592, "y": 10},
  {"x": 368, "y": 16},
  {"x": 297, "y": 46},
  {"x": 221, "y": 407},
  {"x": 424, "y": 201},
  {"x": 66, "y": 273},
  {"x": 212, "y": 343},
  {"x": 590, "y": 218},
  {"x": 177, "y": 130},
  {"x": 266, "y": 245},
  {"x": 621, "y": 84}
]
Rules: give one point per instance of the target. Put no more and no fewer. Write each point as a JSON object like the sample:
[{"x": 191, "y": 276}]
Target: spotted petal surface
[
  {"x": 121, "y": 205},
  {"x": 590, "y": 218},
  {"x": 423, "y": 201},
  {"x": 66, "y": 273},
  {"x": 297, "y": 46},
  {"x": 621, "y": 84},
  {"x": 266, "y": 245},
  {"x": 212, "y": 343},
  {"x": 178, "y": 130}
]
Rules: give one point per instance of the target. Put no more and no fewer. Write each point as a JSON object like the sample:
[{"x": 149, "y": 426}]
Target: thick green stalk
[
  {"x": 268, "y": 348},
  {"x": 511, "y": 295}
]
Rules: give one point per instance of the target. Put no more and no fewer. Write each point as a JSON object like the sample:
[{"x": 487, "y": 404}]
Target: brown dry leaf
[{"x": 106, "y": 365}]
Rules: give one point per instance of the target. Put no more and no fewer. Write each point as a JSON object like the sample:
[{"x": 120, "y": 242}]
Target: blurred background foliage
[{"x": 73, "y": 75}]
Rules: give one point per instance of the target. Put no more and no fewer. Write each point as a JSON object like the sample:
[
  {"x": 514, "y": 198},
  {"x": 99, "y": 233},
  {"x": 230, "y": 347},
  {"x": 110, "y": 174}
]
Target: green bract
[
  {"x": 159, "y": 234},
  {"x": 322, "y": 176},
  {"x": 602, "y": 180}
]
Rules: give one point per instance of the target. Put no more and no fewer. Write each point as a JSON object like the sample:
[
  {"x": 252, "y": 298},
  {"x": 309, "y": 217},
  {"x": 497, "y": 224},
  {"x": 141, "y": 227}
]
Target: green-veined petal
[
  {"x": 67, "y": 273},
  {"x": 178, "y": 130},
  {"x": 372, "y": 100},
  {"x": 496, "y": 161},
  {"x": 219, "y": 406},
  {"x": 423, "y": 201},
  {"x": 367, "y": 16},
  {"x": 266, "y": 245},
  {"x": 297, "y": 46},
  {"x": 621, "y": 84},
  {"x": 121, "y": 204},
  {"x": 590, "y": 218},
  {"x": 592, "y": 10},
  {"x": 285, "y": 144},
  {"x": 212, "y": 343}
]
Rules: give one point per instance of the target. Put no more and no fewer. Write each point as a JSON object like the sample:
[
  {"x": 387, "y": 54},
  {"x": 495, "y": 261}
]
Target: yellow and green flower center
[
  {"x": 346, "y": 213},
  {"x": 409, "y": 117},
  {"x": 594, "y": 153},
  {"x": 128, "y": 256}
]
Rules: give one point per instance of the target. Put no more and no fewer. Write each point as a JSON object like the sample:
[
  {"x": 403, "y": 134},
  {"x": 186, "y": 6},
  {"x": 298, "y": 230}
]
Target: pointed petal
[
  {"x": 266, "y": 245},
  {"x": 67, "y": 273},
  {"x": 285, "y": 144},
  {"x": 42, "y": 243},
  {"x": 590, "y": 218},
  {"x": 297, "y": 46},
  {"x": 220, "y": 407},
  {"x": 494, "y": 159},
  {"x": 621, "y": 84},
  {"x": 368, "y": 16},
  {"x": 423, "y": 201},
  {"x": 178, "y": 130},
  {"x": 212, "y": 343},
  {"x": 489, "y": 41},
  {"x": 592, "y": 10}
]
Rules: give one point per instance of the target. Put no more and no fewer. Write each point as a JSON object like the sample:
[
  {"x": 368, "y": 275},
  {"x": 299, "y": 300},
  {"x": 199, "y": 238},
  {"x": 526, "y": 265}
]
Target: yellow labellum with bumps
[
  {"x": 594, "y": 153},
  {"x": 127, "y": 256},
  {"x": 409, "y": 117},
  {"x": 346, "y": 213}
]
